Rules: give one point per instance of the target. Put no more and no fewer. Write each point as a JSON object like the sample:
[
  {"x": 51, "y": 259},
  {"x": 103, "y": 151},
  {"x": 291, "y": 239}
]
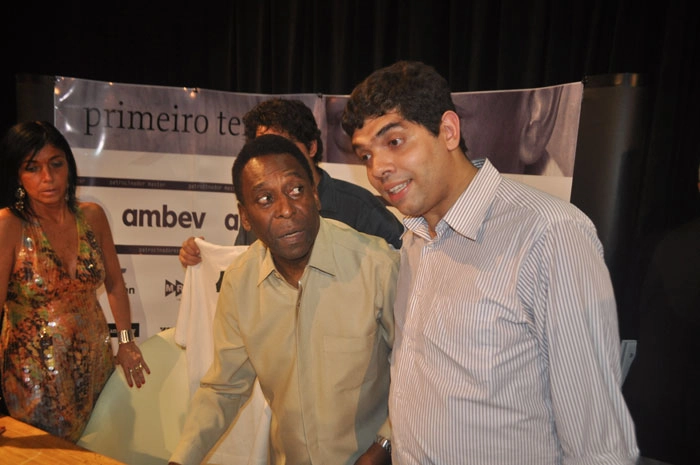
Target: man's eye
[
  {"x": 395, "y": 142},
  {"x": 297, "y": 191},
  {"x": 365, "y": 157},
  {"x": 264, "y": 199}
]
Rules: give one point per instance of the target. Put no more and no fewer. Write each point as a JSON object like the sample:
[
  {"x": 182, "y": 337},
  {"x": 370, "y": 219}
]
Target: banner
[{"x": 158, "y": 160}]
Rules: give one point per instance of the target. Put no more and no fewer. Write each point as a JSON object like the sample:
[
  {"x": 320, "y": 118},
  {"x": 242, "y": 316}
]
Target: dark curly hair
[
  {"x": 26, "y": 140},
  {"x": 290, "y": 116},
  {"x": 267, "y": 144},
  {"x": 412, "y": 88}
]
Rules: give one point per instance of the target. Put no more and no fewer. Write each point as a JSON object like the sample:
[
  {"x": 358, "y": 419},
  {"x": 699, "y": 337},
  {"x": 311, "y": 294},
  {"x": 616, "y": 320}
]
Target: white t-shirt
[{"x": 246, "y": 442}]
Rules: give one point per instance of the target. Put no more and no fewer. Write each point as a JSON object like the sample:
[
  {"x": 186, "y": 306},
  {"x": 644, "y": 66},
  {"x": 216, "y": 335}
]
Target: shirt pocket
[
  {"x": 349, "y": 362},
  {"x": 459, "y": 343}
]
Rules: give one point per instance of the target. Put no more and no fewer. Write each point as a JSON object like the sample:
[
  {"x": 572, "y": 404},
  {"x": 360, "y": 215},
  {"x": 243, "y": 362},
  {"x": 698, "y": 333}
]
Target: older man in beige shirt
[{"x": 308, "y": 311}]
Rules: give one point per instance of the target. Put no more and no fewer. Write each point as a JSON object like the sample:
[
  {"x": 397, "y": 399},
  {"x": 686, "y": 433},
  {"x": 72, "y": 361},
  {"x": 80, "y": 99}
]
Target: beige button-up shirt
[{"x": 320, "y": 352}]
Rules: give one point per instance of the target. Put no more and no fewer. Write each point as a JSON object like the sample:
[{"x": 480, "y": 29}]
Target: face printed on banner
[
  {"x": 339, "y": 149},
  {"x": 281, "y": 206},
  {"x": 515, "y": 130}
]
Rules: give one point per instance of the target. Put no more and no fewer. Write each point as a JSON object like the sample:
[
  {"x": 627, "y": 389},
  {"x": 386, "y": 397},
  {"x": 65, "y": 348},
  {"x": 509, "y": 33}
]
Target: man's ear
[
  {"x": 313, "y": 148},
  {"x": 243, "y": 215},
  {"x": 317, "y": 199},
  {"x": 450, "y": 129}
]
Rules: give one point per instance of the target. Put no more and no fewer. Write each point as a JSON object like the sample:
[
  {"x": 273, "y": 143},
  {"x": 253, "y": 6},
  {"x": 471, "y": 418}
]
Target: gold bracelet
[{"x": 125, "y": 336}]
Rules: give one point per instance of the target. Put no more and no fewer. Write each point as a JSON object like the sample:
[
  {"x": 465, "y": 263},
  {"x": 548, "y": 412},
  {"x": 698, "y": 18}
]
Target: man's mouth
[
  {"x": 290, "y": 234},
  {"x": 398, "y": 188}
]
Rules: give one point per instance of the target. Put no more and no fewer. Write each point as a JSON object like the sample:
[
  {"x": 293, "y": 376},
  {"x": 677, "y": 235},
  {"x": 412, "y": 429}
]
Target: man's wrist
[{"x": 384, "y": 443}]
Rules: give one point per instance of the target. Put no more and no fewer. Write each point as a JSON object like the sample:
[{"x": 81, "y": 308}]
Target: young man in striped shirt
[{"x": 506, "y": 349}]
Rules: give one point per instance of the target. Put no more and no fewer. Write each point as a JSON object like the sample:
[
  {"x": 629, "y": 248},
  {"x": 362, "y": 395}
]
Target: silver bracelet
[{"x": 125, "y": 336}]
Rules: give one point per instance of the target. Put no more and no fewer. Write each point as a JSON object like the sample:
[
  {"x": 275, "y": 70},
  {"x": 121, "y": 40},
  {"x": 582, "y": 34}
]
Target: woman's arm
[
  {"x": 10, "y": 233},
  {"x": 128, "y": 356}
]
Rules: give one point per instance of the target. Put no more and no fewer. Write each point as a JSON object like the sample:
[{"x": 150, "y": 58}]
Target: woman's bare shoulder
[
  {"x": 91, "y": 209},
  {"x": 10, "y": 224},
  {"x": 94, "y": 214},
  {"x": 9, "y": 219}
]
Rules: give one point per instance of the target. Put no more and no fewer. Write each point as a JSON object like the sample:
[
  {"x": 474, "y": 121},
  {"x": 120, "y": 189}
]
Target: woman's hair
[
  {"x": 267, "y": 144},
  {"x": 26, "y": 140},
  {"x": 413, "y": 89}
]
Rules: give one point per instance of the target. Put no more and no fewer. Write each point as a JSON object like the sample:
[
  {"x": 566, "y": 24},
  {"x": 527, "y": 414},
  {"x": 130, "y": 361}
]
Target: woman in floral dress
[{"x": 55, "y": 349}]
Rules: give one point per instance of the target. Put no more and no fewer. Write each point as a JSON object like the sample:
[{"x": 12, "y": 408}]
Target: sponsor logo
[
  {"x": 164, "y": 218},
  {"x": 171, "y": 288},
  {"x": 135, "y": 327}
]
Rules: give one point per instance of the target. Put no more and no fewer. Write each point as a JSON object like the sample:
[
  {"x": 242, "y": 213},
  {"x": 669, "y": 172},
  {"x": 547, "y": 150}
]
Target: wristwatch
[{"x": 384, "y": 443}]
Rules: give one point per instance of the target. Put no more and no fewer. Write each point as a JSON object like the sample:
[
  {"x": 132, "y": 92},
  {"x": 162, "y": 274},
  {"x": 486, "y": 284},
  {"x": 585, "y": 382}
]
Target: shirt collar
[
  {"x": 322, "y": 257},
  {"x": 469, "y": 211}
]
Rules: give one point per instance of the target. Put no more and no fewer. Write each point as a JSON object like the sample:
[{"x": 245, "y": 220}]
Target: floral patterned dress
[{"x": 56, "y": 350}]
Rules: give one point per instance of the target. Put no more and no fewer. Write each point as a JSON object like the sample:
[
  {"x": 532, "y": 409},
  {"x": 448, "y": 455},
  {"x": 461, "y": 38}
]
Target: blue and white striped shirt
[{"x": 507, "y": 349}]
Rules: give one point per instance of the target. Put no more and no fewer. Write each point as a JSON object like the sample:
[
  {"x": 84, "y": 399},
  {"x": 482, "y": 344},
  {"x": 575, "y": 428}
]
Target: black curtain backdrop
[{"x": 296, "y": 46}]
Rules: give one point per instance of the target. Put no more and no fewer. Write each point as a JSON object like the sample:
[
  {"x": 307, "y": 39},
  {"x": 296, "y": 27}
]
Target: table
[{"x": 24, "y": 444}]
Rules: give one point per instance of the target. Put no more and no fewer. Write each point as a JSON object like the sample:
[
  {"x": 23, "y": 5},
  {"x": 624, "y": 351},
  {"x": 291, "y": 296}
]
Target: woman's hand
[{"x": 135, "y": 367}]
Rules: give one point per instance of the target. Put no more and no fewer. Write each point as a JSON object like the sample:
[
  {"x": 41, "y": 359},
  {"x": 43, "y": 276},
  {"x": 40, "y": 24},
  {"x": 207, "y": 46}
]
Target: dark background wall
[{"x": 294, "y": 46}]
